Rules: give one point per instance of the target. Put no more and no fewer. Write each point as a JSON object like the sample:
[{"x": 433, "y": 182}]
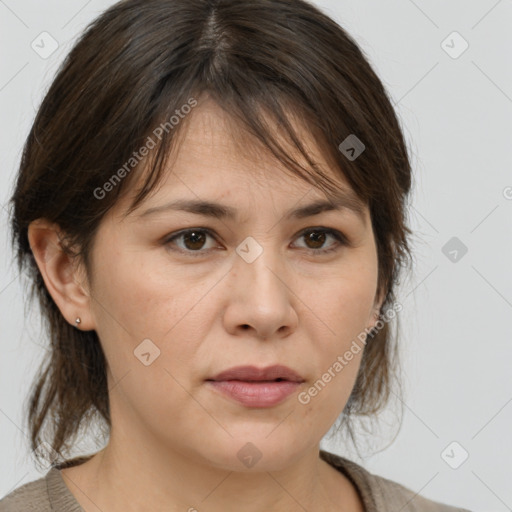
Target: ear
[{"x": 64, "y": 278}]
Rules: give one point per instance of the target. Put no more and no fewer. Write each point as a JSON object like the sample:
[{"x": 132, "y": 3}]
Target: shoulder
[
  {"x": 380, "y": 493},
  {"x": 32, "y": 496},
  {"x": 47, "y": 494},
  {"x": 397, "y": 495}
]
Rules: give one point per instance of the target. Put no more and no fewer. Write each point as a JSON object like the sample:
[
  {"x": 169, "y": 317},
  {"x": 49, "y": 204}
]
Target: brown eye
[
  {"x": 192, "y": 241},
  {"x": 315, "y": 239}
]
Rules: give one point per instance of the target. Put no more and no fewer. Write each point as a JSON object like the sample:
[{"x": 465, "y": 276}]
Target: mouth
[
  {"x": 275, "y": 373},
  {"x": 255, "y": 387}
]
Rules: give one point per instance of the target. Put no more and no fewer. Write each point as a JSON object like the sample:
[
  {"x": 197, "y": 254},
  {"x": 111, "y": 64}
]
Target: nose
[{"x": 261, "y": 300}]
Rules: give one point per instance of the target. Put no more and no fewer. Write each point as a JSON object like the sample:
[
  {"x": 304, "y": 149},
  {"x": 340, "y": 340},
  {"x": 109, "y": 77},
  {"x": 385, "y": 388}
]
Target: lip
[
  {"x": 257, "y": 387},
  {"x": 252, "y": 373}
]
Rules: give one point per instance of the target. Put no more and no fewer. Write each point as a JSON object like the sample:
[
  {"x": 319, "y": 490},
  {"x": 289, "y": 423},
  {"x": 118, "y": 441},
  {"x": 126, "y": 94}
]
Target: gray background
[{"x": 456, "y": 112}]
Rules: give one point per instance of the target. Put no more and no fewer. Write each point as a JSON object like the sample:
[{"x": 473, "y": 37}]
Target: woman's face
[{"x": 246, "y": 290}]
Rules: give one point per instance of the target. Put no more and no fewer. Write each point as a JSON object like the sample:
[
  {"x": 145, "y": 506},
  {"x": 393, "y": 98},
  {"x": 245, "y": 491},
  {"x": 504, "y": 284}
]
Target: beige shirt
[{"x": 378, "y": 494}]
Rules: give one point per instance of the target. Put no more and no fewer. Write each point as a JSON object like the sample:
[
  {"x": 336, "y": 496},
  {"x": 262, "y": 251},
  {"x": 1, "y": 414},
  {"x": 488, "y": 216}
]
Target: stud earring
[{"x": 77, "y": 322}]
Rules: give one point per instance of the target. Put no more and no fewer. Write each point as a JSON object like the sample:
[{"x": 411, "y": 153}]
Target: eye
[
  {"x": 194, "y": 240},
  {"x": 317, "y": 236}
]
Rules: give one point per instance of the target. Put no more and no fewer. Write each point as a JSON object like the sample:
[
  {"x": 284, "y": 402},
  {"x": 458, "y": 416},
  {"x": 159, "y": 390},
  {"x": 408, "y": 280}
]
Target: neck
[
  {"x": 115, "y": 481},
  {"x": 127, "y": 475}
]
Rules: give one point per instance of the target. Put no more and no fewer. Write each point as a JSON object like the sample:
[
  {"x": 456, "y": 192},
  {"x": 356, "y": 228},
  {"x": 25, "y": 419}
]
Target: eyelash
[{"x": 340, "y": 238}]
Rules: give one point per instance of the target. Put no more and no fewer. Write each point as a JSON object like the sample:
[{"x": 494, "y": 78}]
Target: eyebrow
[{"x": 342, "y": 201}]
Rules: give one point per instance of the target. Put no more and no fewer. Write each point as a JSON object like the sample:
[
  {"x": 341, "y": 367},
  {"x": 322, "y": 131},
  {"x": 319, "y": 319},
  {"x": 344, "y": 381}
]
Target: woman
[{"x": 211, "y": 203}]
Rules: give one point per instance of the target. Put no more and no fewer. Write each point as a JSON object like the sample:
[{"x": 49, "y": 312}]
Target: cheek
[
  {"x": 341, "y": 313},
  {"x": 136, "y": 303},
  {"x": 343, "y": 305},
  {"x": 154, "y": 399},
  {"x": 324, "y": 400},
  {"x": 138, "y": 298},
  {"x": 143, "y": 318}
]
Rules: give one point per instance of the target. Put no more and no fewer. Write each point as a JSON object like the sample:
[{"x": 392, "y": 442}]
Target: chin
[{"x": 255, "y": 453}]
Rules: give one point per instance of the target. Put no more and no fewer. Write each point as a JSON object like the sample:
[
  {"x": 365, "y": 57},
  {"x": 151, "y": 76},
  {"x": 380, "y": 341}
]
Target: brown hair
[{"x": 130, "y": 71}]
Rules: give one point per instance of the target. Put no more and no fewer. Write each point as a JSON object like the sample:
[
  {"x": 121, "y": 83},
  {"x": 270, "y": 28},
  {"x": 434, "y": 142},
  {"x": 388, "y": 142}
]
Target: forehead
[
  {"x": 215, "y": 157},
  {"x": 210, "y": 130}
]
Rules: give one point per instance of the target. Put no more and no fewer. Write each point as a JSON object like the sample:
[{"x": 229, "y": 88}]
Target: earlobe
[{"x": 60, "y": 273}]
